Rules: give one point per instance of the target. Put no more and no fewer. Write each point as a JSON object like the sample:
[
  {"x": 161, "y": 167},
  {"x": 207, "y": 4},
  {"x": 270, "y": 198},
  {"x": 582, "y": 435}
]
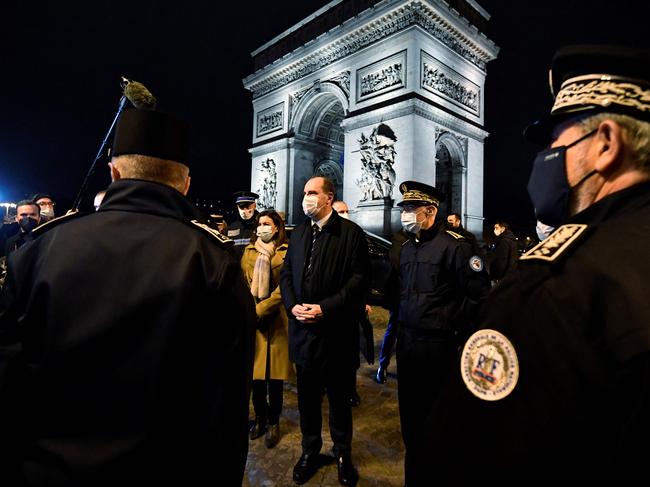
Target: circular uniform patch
[
  {"x": 476, "y": 263},
  {"x": 489, "y": 365}
]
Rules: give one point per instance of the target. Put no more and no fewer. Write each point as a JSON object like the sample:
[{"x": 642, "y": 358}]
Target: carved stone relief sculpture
[
  {"x": 377, "y": 160},
  {"x": 444, "y": 81},
  {"x": 381, "y": 77},
  {"x": 270, "y": 120},
  {"x": 268, "y": 189}
]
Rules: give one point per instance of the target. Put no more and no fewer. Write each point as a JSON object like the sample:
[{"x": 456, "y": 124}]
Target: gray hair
[
  {"x": 136, "y": 166},
  {"x": 636, "y": 134}
]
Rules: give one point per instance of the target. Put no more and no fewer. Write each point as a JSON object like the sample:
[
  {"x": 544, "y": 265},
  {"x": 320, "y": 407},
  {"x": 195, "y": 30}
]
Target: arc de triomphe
[{"x": 371, "y": 93}]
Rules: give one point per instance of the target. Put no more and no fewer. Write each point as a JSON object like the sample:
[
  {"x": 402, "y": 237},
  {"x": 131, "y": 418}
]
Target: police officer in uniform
[
  {"x": 441, "y": 285},
  {"x": 556, "y": 382},
  {"x": 242, "y": 229},
  {"x": 113, "y": 368}
]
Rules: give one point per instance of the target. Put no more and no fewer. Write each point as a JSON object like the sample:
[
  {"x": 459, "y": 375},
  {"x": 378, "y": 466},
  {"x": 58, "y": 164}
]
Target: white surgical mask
[
  {"x": 246, "y": 213},
  {"x": 410, "y": 221},
  {"x": 543, "y": 231},
  {"x": 345, "y": 215},
  {"x": 265, "y": 233},
  {"x": 310, "y": 205}
]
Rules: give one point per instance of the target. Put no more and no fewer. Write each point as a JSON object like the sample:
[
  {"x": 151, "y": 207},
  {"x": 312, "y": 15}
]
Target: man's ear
[
  {"x": 187, "y": 185},
  {"x": 115, "y": 172},
  {"x": 610, "y": 146}
]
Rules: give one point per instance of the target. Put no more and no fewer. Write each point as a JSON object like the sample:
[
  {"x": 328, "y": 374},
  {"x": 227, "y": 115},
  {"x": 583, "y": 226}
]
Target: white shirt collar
[{"x": 321, "y": 223}]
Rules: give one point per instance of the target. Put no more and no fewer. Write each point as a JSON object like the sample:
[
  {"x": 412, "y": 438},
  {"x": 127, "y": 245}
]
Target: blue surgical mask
[{"x": 548, "y": 186}]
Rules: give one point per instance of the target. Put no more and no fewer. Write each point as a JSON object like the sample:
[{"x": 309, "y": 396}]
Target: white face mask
[
  {"x": 246, "y": 213},
  {"x": 310, "y": 205},
  {"x": 345, "y": 215},
  {"x": 543, "y": 230},
  {"x": 47, "y": 212},
  {"x": 265, "y": 233},
  {"x": 410, "y": 221}
]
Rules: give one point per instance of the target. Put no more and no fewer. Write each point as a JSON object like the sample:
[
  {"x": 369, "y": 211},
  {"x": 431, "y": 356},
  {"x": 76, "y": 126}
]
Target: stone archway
[
  {"x": 450, "y": 171},
  {"x": 417, "y": 67},
  {"x": 318, "y": 139}
]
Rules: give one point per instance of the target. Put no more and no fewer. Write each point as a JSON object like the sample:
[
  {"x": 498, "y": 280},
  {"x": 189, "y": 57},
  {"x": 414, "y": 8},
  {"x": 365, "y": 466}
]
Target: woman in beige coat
[{"x": 261, "y": 263}]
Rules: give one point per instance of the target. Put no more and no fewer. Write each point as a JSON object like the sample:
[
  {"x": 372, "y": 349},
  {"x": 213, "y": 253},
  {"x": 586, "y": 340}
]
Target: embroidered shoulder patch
[
  {"x": 476, "y": 263},
  {"x": 557, "y": 243},
  {"x": 55, "y": 221},
  {"x": 213, "y": 233},
  {"x": 489, "y": 365},
  {"x": 457, "y": 236}
]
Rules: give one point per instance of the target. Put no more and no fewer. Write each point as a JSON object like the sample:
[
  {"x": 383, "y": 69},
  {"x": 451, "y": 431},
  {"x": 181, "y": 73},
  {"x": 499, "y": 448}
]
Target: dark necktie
[{"x": 315, "y": 231}]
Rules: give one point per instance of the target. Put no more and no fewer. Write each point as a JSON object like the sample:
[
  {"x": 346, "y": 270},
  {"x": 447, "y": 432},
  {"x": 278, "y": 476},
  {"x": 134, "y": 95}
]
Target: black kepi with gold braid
[
  {"x": 591, "y": 79},
  {"x": 416, "y": 193}
]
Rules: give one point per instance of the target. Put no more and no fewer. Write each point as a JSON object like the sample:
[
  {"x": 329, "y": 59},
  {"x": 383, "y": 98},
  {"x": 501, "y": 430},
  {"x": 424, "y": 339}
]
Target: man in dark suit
[
  {"x": 324, "y": 282},
  {"x": 113, "y": 366}
]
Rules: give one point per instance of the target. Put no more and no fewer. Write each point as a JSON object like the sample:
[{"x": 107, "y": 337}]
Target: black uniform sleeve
[{"x": 474, "y": 283}]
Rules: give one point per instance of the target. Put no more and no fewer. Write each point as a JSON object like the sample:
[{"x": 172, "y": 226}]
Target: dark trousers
[
  {"x": 388, "y": 342},
  {"x": 422, "y": 362},
  {"x": 311, "y": 386},
  {"x": 272, "y": 409}
]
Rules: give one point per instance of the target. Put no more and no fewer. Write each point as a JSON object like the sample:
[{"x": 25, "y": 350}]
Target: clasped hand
[{"x": 307, "y": 313}]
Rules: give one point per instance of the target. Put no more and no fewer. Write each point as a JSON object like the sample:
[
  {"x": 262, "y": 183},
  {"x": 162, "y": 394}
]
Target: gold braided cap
[
  {"x": 602, "y": 90},
  {"x": 416, "y": 196}
]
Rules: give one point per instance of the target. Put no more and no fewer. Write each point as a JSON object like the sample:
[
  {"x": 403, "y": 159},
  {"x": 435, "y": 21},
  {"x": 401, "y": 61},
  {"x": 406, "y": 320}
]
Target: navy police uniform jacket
[
  {"x": 241, "y": 231},
  {"x": 114, "y": 366},
  {"x": 556, "y": 384},
  {"x": 442, "y": 282}
]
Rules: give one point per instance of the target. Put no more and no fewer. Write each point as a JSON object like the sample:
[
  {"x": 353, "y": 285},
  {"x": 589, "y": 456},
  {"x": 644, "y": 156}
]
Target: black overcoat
[
  {"x": 341, "y": 279},
  {"x": 126, "y": 347}
]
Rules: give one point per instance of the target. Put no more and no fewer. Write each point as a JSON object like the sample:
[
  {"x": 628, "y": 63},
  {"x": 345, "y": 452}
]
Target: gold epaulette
[
  {"x": 221, "y": 239},
  {"x": 557, "y": 243},
  {"x": 457, "y": 236},
  {"x": 72, "y": 214}
]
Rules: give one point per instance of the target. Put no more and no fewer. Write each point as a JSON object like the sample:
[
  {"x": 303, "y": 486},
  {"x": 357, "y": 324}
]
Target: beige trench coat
[{"x": 276, "y": 339}]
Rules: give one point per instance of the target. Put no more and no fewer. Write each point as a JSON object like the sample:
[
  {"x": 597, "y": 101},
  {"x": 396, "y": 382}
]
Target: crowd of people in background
[{"x": 132, "y": 339}]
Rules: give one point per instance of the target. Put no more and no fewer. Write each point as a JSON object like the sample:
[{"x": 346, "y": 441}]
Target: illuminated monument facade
[{"x": 371, "y": 93}]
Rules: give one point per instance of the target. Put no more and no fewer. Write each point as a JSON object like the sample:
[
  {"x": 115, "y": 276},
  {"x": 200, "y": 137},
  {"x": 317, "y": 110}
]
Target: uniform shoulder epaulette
[
  {"x": 214, "y": 235},
  {"x": 49, "y": 225},
  {"x": 457, "y": 236},
  {"x": 562, "y": 239}
]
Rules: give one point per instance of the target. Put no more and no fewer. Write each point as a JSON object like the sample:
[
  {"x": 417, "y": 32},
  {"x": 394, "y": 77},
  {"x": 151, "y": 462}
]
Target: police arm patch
[
  {"x": 556, "y": 244},
  {"x": 489, "y": 365},
  {"x": 476, "y": 263}
]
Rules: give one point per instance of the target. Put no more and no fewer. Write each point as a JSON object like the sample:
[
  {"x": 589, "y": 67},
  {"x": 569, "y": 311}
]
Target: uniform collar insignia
[{"x": 556, "y": 244}]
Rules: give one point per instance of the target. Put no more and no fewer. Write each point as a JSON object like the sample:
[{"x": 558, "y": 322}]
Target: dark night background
[{"x": 61, "y": 67}]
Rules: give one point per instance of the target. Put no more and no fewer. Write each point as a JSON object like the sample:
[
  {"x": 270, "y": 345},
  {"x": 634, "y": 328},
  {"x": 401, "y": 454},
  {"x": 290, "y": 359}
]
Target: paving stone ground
[{"x": 377, "y": 449}]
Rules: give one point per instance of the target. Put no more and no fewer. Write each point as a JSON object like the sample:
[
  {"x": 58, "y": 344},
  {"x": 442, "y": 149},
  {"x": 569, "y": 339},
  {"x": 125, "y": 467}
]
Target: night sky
[{"x": 61, "y": 68}]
